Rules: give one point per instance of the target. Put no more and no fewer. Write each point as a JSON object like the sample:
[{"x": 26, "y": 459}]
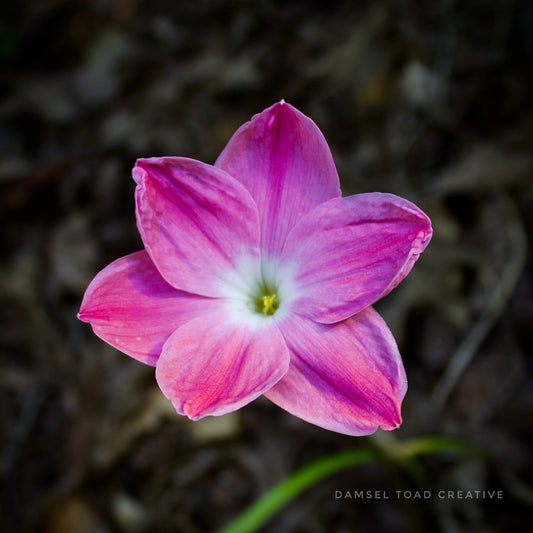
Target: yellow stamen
[{"x": 269, "y": 304}]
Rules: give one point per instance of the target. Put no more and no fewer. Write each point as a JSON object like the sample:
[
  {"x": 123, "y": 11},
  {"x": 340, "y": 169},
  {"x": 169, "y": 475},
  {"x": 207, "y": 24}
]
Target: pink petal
[
  {"x": 130, "y": 306},
  {"x": 198, "y": 224},
  {"x": 214, "y": 365},
  {"x": 346, "y": 377},
  {"x": 349, "y": 252},
  {"x": 282, "y": 158}
]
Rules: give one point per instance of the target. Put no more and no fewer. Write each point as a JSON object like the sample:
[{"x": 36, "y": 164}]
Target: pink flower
[{"x": 257, "y": 278}]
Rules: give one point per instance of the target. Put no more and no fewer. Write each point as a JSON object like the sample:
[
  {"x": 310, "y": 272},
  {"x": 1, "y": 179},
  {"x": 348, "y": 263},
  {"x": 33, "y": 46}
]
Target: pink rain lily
[{"x": 257, "y": 277}]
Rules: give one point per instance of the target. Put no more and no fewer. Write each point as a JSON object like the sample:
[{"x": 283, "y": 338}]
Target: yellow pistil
[{"x": 269, "y": 304}]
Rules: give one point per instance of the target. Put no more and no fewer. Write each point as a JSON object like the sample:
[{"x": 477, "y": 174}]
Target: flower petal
[
  {"x": 130, "y": 306},
  {"x": 198, "y": 224},
  {"x": 346, "y": 377},
  {"x": 282, "y": 158},
  {"x": 213, "y": 365},
  {"x": 350, "y": 252}
]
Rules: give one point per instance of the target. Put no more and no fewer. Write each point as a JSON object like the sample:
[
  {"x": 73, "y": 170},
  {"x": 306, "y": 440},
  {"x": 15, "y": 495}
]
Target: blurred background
[{"x": 428, "y": 100}]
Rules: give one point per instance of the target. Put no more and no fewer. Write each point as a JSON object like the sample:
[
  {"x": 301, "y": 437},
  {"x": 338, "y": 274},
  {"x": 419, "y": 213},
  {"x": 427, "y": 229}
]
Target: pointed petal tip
[
  {"x": 138, "y": 172},
  {"x": 424, "y": 236},
  {"x": 425, "y": 223},
  {"x": 143, "y": 165},
  {"x": 197, "y": 408},
  {"x": 426, "y": 230},
  {"x": 195, "y": 414},
  {"x": 386, "y": 424},
  {"x": 285, "y": 106},
  {"x": 392, "y": 417},
  {"x": 278, "y": 109},
  {"x": 193, "y": 417},
  {"x": 393, "y": 424},
  {"x": 87, "y": 312}
]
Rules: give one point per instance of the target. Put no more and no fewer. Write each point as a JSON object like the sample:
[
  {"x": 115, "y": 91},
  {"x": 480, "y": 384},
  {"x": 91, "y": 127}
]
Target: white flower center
[{"x": 260, "y": 292}]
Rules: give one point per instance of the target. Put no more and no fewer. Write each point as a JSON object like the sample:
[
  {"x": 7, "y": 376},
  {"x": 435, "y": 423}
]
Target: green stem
[{"x": 259, "y": 512}]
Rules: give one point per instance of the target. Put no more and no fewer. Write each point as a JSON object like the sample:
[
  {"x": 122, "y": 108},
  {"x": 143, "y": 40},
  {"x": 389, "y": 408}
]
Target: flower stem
[{"x": 277, "y": 497}]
